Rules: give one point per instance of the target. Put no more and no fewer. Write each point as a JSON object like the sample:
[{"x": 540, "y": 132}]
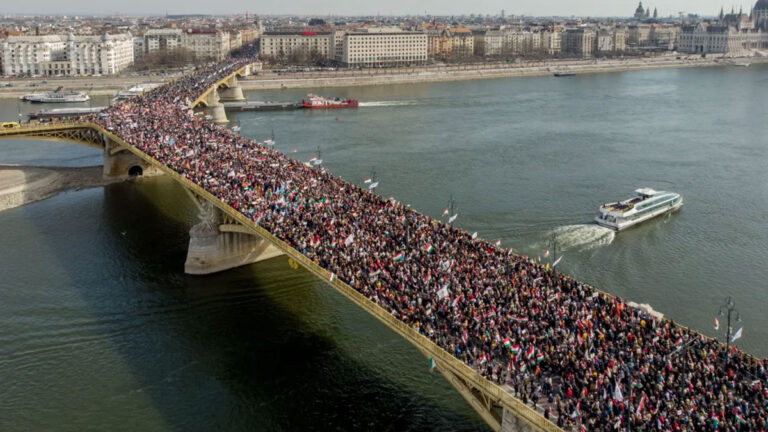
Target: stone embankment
[
  {"x": 343, "y": 78},
  {"x": 20, "y": 185}
]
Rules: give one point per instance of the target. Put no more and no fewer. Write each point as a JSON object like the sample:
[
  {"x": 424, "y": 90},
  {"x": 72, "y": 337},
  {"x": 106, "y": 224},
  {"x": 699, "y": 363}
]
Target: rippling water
[{"x": 100, "y": 328}]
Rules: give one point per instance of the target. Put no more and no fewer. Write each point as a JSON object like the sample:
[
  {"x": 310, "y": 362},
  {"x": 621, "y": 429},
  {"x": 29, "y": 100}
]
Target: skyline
[{"x": 595, "y": 8}]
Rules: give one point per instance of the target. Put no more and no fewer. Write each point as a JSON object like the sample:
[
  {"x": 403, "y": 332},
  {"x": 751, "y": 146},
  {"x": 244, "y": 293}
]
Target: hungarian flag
[
  {"x": 293, "y": 150},
  {"x": 515, "y": 349},
  {"x": 399, "y": 257},
  {"x": 739, "y": 418},
  {"x": 445, "y": 212},
  {"x": 484, "y": 360},
  {"x": 507, "y": 343},
  {"x": 368, "y": 180},
  {"x": 580, "y": 339},
  {"x": 577, "y": 411},
  {"x": 428, "y": 277},
  {"x": 679, "y": 342},
  {"x": 641, "y": 405},
  {"x": 429, "y": 248},
  {"x": 523, "y": 368},
  {"x": 717, "y": 324},
  {"x": 546, "y": 253},
  {"x": 332, "y": 277},
  {"x": 498, "y": 243},
  {"x": 455, "y": 301},
  {"x": 530, "y": 352},
  {"x": 464, "y": 337},
  {"x": 539, "y": 357}
]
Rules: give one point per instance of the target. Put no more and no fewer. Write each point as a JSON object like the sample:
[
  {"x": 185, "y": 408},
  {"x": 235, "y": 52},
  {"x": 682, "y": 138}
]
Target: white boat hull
[{"x": 620, "y": 225}]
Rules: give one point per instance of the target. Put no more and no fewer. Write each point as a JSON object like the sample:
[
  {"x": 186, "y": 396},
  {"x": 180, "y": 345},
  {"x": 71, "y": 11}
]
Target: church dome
[{"x": 761, "y": 5}]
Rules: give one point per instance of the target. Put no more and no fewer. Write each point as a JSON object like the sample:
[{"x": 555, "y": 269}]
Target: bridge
[
  {"x": 228, "y": 235},
  {"x": 225, "y": 239}
]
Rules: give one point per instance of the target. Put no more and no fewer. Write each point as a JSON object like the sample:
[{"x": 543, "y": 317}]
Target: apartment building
[
  {"x": 27, "y": 54},
  {"x": 579, "y": 41},
  {"x": 70, "y": 55},
  {"x": 384, "y": 46},
  {"x": 162, "y": 40},
  {"x": 462, "y": 42},
  {"x": 288, "y": 44},
  {"x": 206, "y": 44}
]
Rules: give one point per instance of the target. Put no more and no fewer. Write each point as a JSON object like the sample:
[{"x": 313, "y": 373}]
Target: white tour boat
[{"x": 647, "y": 204}]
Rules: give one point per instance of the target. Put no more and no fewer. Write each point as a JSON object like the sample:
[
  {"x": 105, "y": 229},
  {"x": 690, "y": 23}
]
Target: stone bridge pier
[
  {"x": 214, "y": 108},
  {"x": 218, "y": 243},
  {"x": 232, "y": 92}
]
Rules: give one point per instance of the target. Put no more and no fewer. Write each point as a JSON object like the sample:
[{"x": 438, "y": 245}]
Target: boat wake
[
  {"x": 582, "y": 237},
  {"x": 388, "y": 103}
]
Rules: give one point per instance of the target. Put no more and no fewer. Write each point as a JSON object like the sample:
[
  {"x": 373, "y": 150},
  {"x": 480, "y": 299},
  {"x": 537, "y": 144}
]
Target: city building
[
  {"x": 384, "y": 46},
  {"x": 551, "y": 42},
  {"x": 288, "y": 45},
  {"x": 733, "y": 34},
  {"x": 206, "y": 44},
  {"x": 521, "y": 42},
  {"x": 488, "y": 43},
  {"x": 579, "y": 41},
  {"x": 462, "y": 42},
  {"x": 106, "y": 54},
  {"x": 162, "y": 40},
  {"x": 28, "y": 54},
  {"x": 70, "y": 55}
]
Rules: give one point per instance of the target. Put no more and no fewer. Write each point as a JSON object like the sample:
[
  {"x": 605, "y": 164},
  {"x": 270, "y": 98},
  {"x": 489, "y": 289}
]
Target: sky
[{"x": 371, "y": 7}]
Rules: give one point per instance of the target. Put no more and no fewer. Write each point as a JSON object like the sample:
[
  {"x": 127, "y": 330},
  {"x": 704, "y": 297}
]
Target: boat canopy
[{"x": 646, "y": 191}]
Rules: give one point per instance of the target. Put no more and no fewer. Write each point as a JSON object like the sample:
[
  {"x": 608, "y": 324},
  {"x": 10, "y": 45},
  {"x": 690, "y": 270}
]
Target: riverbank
[
  {"x": 272, "y": 79},
  {"x": 20, "y": 185},
  {"x": 348, "y": 78},
  {"x": 94, "y": 86}
]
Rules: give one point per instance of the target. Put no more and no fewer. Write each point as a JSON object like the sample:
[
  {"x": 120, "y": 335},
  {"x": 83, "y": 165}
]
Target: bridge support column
[
  {"x": 121, "y": 163},
  {"x": 216, "y": 246},
  {"x": 215, "y": 109},
  {"x": 232, "y": 94}
]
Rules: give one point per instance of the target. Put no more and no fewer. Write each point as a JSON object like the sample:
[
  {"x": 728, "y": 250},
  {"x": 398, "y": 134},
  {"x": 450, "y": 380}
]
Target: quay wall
[{"x": 364, "y": 77}]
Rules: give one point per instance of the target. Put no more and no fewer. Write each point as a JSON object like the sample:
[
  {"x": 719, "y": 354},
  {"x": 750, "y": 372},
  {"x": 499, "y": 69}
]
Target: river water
[{"x": 100, "y": 328}]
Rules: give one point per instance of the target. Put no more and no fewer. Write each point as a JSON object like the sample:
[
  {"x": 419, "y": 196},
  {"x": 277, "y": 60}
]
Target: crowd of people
[{"x": 584, "y": 359}]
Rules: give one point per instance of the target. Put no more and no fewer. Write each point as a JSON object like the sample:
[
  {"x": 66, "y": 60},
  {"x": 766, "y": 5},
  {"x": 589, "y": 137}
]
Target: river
[{"x": 102, "y": 330}]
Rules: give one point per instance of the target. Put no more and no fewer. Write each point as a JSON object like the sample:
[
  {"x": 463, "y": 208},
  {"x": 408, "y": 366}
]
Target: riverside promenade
[
  {"x": 539, "y": 345},
  {"x": 273, "y": 79}
]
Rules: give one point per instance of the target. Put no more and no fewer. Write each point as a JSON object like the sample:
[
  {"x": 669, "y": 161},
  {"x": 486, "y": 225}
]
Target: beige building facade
[
  {"x": 384, "y": 47},
  {"x": 287, "y": 44}
]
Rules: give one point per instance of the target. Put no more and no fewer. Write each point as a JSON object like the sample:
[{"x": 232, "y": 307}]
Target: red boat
[{"x": 314, "y": 101}]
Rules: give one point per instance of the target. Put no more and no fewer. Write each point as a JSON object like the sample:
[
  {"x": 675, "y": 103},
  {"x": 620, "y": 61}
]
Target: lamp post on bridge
[{"x": 729, "y": 307}]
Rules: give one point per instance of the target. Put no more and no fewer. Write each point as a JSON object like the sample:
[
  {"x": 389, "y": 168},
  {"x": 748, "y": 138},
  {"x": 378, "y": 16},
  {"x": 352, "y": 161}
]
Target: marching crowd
[{"x": 584, "y": 359}]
